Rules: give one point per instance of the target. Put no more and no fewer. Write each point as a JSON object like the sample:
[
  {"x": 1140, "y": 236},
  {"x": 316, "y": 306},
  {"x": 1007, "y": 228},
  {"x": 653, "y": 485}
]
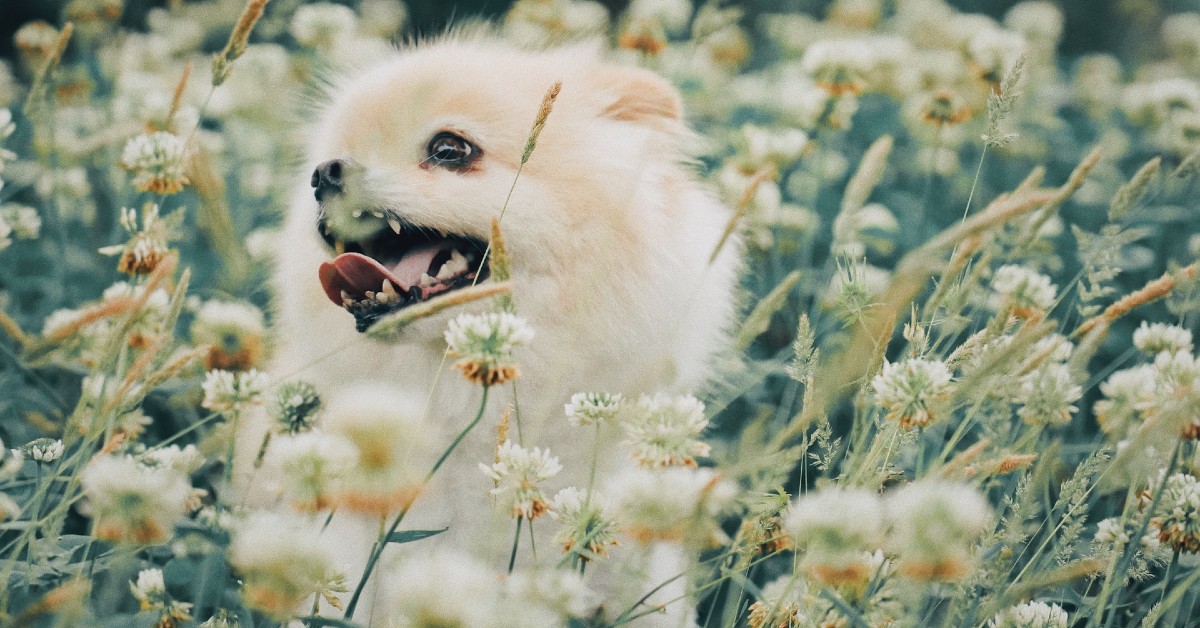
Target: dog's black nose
[{"x": 328, "y": 178}]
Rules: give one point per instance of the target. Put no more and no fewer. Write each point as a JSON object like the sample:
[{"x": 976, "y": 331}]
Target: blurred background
[{"x": 1091, "y": 25}]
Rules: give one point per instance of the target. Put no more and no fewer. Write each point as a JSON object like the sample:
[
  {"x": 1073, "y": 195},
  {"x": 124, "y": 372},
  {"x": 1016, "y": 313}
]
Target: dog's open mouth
[{"x": 397, "y": 267}]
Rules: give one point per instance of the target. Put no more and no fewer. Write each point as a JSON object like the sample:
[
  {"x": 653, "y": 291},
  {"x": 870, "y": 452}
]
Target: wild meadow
[{"x": 963, "y": 389}]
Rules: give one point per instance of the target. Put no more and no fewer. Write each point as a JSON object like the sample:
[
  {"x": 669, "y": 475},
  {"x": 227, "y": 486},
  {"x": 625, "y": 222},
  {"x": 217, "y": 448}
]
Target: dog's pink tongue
[{"x": 356, "y": 274}]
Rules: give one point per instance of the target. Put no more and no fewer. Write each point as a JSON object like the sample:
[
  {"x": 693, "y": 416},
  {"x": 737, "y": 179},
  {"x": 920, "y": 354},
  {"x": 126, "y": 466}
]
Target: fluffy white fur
[{"x": 608, "y": 231}]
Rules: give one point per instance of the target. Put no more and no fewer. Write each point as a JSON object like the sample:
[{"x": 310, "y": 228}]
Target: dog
[{"x": 608, "y": 231}]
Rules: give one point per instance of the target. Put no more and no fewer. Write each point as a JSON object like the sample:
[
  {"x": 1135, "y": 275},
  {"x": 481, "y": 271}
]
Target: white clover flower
[
  {"x": 1123, "y": 391},
  {"x": 1153, "y": 339},
  {"x": 672, "y": 504},
  {"x": 935, "y": 525},
  {"x": 1156, "y": 103},
  {"x": 24, "y": 221},
  {"x": 1111, "y": 533},
  {"x": 994, "y": 51},
  {"x": 148, "y": 241},
  {"x": 392, "y": 443},
  {"x": 779, "y": 604},
  {"x": 157, "y": 161},
  {"x": 186, "y": 460},
  {"x": 441, "y": 588},
  {"x": 36, "y": 38},
  {"x": 584, "y": 523},
  {"x": 149, "y": 589},
  {"x": 554, "y": 596},
  {"x": 296, "y": 407},
  {"x": 229, "y": 392},
  {"x": 283, "y": 561},
  {"x": 132, "y": 503},
  {"x": 1038, "y": 20},
  {"x": 1177, "y": 392},
  {"x": 221, "y": 620},
  {"x": 673, "y": 15},
  {"x": 43, "y": 450},
  {"x": 1177, "y": 514},
  {"x": 1023, "y": 289},
  {"x": 381, "y": 18},
  {"x": 836, "y": 527},
  {"x": 773, "y": 146},
  {"x": 1047, "y": 395},
  {"x": 1031, "y": 615},
  {"x": 1056, "y": 348},
  {"x": 312, "y": 465},
  {"x": 1181, "y": 35},
  {"x": 839, "y": 66},
  {"x": 913, "y": 391},
  {"x": 592, "y": 408},
  {"x": 233, "y": 331},
  {"x": 663, "y": 431},
  {"x": 518, "y": 473},
  {"x": 484, "y": 344},
  {"x": 322, "y": 24},
  {"x": 151, "y": 593}
]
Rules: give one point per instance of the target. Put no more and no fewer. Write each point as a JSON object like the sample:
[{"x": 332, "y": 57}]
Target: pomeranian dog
[{"x": 608, "y": 231}]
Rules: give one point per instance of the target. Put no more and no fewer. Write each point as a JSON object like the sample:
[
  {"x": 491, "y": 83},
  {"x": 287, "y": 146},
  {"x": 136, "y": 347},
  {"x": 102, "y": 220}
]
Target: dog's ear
[{"x": 640, "y": 96}]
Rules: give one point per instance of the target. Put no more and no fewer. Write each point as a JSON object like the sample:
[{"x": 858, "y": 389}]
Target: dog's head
[{"x": 414, "y": 157}]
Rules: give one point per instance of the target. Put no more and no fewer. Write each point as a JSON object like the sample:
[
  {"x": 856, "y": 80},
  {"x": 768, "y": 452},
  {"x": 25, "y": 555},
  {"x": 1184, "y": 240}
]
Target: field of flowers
[{"x": 963, "y": 390}]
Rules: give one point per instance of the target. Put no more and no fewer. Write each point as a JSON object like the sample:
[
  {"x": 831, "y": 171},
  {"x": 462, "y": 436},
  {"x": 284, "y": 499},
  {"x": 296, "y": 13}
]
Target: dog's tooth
[
  {"x": 394, "y": 224},
  {"x": 370, "y": 295},
  {"x": 339, "y": 247},
  {"x": 346, "y": 300},
  {"x": 389, "y": 289},
  {"x": 426, "y": 280},
  {"x": 457, "y": 264}
]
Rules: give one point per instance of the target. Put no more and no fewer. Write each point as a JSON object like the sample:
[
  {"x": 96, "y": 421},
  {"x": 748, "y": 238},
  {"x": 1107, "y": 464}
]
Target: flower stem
[{"x": 512, "y": 557}]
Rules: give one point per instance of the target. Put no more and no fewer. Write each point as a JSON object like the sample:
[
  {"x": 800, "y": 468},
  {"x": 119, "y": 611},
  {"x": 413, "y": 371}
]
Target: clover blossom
[
  {"x": 386, "y": 431},
  {"x": 1047, "y": 395},
  {"x": 671, "y": 504},
  {"x": 312, "y": 466},
  {"x": 225, "y": 391},
  {"x": 518, "y": 473},
  {"x": 1026, "y": 291},
  {"x": 296, "y": 407},
  {"x": 1177, "y": 514},
  {"x": 484, "y": 344},
  {"x": 151, "y": 593},
  {"x": 935, "y": 525},
  {"x": 1153, "y": 339},
  {"x": 442, "y": 588},
  {"x": 157, "y": 161},
  {"x": 234, "y": 333},
  {"x": 592, "y": 408},
  {"x": 148, "y": 242},
  {"x": 913, "y": 391},
  {"x": 1031, "y": 615},
  {"x": 23, "y": 221},
  {"x": 584, "y": 523},
  {"x": 663, "y": 431},
  {"x": 283, "y": 562},
  {"x": 133, "y": 503},
  {"x": 836, "y": 527},
  {"x": 43, "y": 450}
]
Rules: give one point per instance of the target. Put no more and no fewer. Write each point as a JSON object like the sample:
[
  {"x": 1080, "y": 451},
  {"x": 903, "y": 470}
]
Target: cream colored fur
[{"x": 609, "y": 235}]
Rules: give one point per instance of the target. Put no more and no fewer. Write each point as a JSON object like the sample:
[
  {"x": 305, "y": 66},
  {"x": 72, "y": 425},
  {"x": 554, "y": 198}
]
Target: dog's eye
[{"x": 451, "y": 151}]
